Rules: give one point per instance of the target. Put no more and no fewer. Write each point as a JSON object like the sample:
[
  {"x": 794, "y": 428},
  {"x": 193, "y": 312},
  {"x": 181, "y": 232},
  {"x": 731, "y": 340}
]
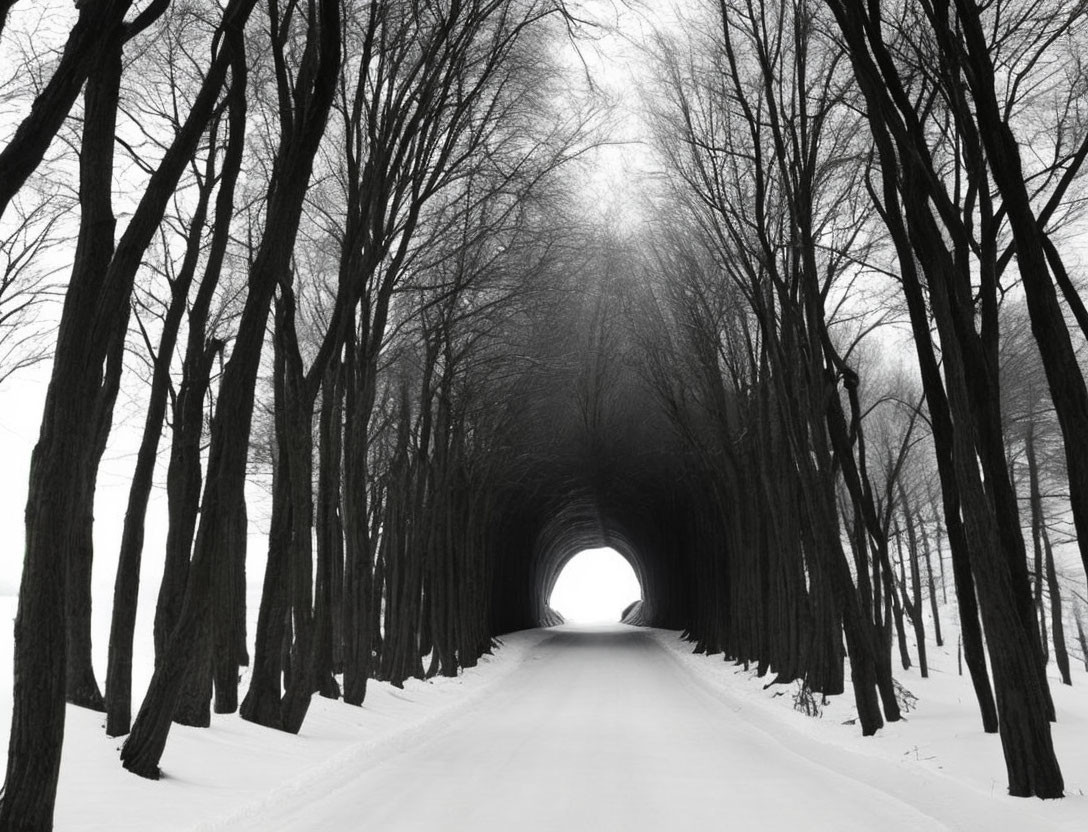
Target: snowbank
[
  {"x": 944, "y": 761},
  {"x": 216, "y": 777}
]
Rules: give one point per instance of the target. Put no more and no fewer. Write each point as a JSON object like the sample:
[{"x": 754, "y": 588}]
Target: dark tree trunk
[
  {"x": 857, "y": 481},
  {"x": 359, "y": 592},
  {"x": 937, "y": 540},
  {"x": 1036, "y": 502},
  {"x": 288, "y": 580},
  {"x": 93, "y": 321},
  {"x": 328, "y": 631},
  {"x": 1082, "y": 638},
  {"x": 905, "y": 203},
  {"x": 95, "y": 33},
  {"x": 934, "y": 611},
  {"x": 224, "y": 492},
  {"x": 184, "y": 476},
  {"x": 894, "y": 596},
  {"x": 1057, "y": 630},
  {"x": 127, "y": 582},
  {"x": 183, "y": 482},
  {"x": 96, "y": 248},
  {"x": 1066, "y": 381},
  {"x": 193, "y": 705},
  {"x": 57, "y": 488},
  {"x": 262, "y": 702},
  {"x": 915, "y": 608},
  {"x": 229, "y": 616}
]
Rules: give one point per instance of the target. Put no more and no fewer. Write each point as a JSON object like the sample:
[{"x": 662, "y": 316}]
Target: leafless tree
[{"x": 29, "y": 284}]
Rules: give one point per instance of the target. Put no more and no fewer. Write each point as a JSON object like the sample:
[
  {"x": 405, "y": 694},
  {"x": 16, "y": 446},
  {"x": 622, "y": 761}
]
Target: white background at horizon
[{"x": 595, "y": 587}]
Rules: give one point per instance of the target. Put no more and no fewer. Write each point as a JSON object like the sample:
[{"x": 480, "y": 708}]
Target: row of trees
[
  {"x": 368, "y": 188},
  {"x": 835, "y": 166}
]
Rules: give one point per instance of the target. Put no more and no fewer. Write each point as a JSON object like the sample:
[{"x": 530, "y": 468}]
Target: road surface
[{"x": 601, "y": 729}]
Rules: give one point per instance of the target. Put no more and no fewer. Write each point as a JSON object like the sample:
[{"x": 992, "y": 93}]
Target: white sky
[{"x": 594, "y": 587}]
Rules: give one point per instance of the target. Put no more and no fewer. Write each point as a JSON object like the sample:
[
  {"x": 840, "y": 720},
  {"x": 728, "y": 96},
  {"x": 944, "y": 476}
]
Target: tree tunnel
[
  {"x": 598, "y": 463},
  {"x": 619, "y": 480},
  {"x": 526, "y": 576},
  {"x": 459, "y": 369}
]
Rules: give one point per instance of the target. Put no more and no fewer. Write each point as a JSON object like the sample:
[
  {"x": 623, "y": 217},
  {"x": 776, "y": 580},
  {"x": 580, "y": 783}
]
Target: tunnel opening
[
  {"x": 595, "y": 586},
  {"x": 546, "y": 529}
]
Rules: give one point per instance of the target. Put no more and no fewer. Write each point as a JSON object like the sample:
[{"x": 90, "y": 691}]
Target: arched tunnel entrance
[
  {"x": 640, "y": 514},
  {"x": 525, "y": 575},
  {"x": 595, "y": 586},
  {"x": 578, "y": 526}
]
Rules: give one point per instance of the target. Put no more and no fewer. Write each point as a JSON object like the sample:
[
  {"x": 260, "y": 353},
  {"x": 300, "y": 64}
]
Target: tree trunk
[
  {"x": 96, "y": 249},
  {"x": 1066, "y": 381},
  {"x": 1061, "y": 654},
  {"x": 56, "y": 497},
  {"x": 330, "y": 536},
  {"x": 262, "y": 702},
  {"x": 95, "y": 32},
  {"x": 127, "y": 582},
  {"x": 183, "y": 484},
  {"x": 229, "y": 618},
  {"x": 359, "y": 606},
  {"x": 193, "y": 705},
  {"x": 896, "y": 599},
  {"x": 1081, "y": 637},
  {"x": 934, "y": 611},
  {"x": 224, "y": 492},
  {"x": 1036, "y": 503},
  {"x": 915, "y": 608}
]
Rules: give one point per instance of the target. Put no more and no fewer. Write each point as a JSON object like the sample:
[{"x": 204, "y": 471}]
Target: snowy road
[{"x": 601, "y": 729}]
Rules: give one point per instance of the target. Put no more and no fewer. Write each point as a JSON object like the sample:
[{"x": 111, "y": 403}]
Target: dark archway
[
  {"x": 541, "y": 536},
  {"x": 576, "y": 527},
  {"x": 597, "y": 462}
]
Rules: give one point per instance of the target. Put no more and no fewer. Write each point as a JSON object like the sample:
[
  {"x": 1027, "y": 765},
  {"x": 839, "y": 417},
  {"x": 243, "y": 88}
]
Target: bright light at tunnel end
[{"x": 595, "y": 587}]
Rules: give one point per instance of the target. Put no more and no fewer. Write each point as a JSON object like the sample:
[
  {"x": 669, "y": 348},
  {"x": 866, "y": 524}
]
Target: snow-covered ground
[
  {"x": 216, "y": 777},
  {"x": 614, "y": 728},
  {"x": 578, "y": 728},
  {"x": 936, "y": 759}
]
